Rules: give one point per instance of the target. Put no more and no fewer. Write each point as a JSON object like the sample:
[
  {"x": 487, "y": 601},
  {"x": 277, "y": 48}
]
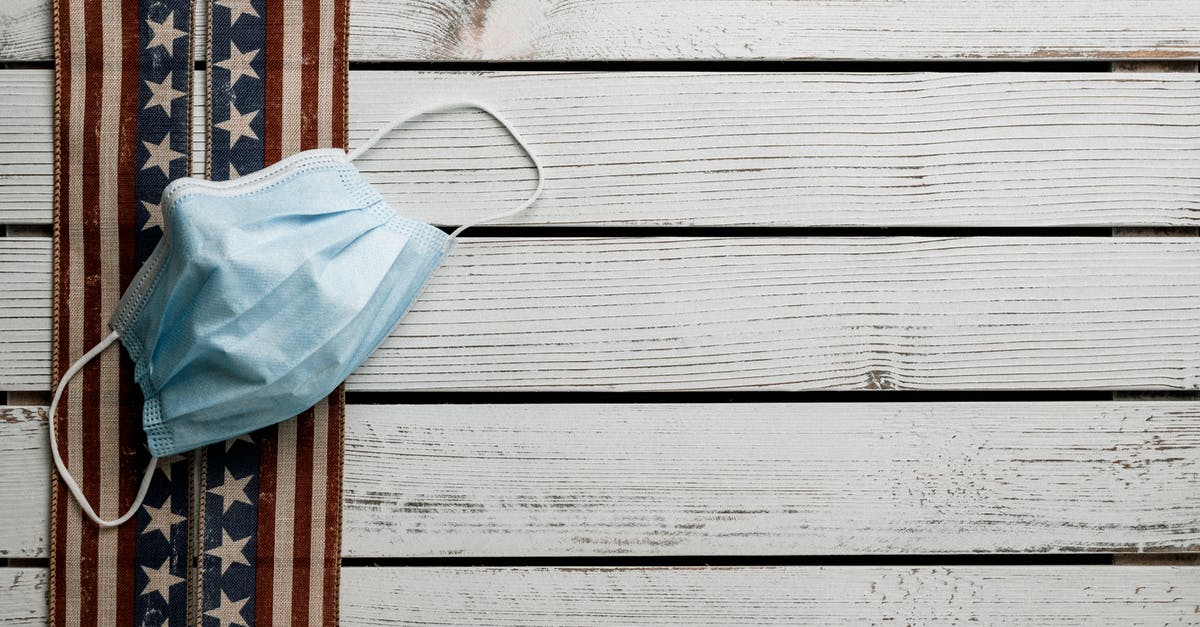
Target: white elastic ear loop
[
  {"x": 62, "y": 468},
  {"x": 537, "y": 164}
]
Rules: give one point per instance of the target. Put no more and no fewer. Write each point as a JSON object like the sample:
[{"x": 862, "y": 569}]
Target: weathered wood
[
  {"x": 769, "y": 313},
  {"x": 25, "y": 313},
  {"x": 528, "y": 30},
  {"x": 874, "y": 595},
  {"x": 733, "y": 479},
  {"x": 1007, "y": 596},
  {"x": 23, "y": 598},
  {"x": 1155, "y": 66},
  {"x": 924, "y": 149}
]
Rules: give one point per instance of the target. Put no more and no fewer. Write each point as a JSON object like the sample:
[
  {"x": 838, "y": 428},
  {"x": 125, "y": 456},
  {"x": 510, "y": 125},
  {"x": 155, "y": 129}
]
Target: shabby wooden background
[{"x": 835, "y": 312}]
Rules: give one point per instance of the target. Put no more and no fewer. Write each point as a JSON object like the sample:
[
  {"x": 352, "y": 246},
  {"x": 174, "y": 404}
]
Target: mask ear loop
[
  {"x": 62, "y": 468},
  {"x": 537, "y": 164}
]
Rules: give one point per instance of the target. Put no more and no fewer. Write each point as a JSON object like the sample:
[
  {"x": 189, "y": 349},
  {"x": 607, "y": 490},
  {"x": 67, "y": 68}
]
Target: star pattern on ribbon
[
  {"x": 155, "y": 213},
  {"x": 229, "y": 612},
  {"x": 237, "y": 8},
  {"x": 231, "y": 491},
  {"x": 161, "y": 155},
  {"x": 238, "y": 64},
  {"x": 229, "y": 552},
  {"x": 164, "y": 33},
  {"x": 161, "y": 519},
  {"x": 163, "y": 94},
  {"x": 160, "y": 580},
  {"x": 245, "y": 437},
  {"x": 238, "y": 125}
]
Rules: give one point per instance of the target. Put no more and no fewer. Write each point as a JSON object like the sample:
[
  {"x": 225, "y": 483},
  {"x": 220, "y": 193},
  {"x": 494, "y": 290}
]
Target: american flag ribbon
[
  {"x": 244, "y": 532},
  {"x": 123, "y": 70},
  {"x": 271, "y": 517}
]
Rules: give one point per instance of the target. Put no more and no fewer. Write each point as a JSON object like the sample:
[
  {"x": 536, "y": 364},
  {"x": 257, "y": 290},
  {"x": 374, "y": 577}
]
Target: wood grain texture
[
  {"x": 1013, "y": 596},
  {"x": 25, "y": 313},
  {"x": 718, "y": 149},
  {"x": 927, "y": 149},
  {"x": 23, "y": 596},
  {"x": 1092, "y": 596},
  {"x": 733, "y": 479},
  {"x": 539, "y": 30},
  {"x": 765, "y": 313}
]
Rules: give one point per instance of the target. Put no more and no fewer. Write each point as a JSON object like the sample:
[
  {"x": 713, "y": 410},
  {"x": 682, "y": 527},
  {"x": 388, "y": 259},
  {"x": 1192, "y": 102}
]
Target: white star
[
  {"x": 245, "y": 437},
  {"x": 232, "y": 491},
  {"x": 162, "y": 519},
  {"x": 161, "y": 155},
  {"x": 163, "y": 95},
  {"x": 160, "y": 580},
  {"x": 237, "y": 8},
  {"x": 238, "y": 64},
  {"x": 234, "y": 174},
  {"x": 165, "y": 33},
  {"x": 155, "y": 219},
  {"x": 230, "y": 552},
  {"x": 238, "y": 124},
  {"x": 228, "y": 612}
]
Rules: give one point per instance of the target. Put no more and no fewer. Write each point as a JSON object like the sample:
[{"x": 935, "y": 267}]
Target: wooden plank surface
[
  {"x": 756, "y": 313},
  {"x": 716, "y": 149},
  {"x": 25, "y": 313},
  {"x": 1001, "y": 596},
  {"x": 539, "y": 30},
  {"x": 733, "y": 479}
]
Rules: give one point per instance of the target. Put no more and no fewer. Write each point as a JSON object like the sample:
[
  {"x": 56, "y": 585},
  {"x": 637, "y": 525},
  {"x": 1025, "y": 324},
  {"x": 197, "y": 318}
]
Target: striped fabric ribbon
[
  {"x": 241, "y": 533},
  {"x": 123, "y": 70},
  {"x": 272, "y": 510}
]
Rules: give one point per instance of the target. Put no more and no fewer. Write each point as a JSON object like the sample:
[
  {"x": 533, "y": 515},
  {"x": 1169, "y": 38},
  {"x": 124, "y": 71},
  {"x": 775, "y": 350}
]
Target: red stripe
[
  {"x": 333, "y": 502},
  {"x": 264, "y": 567},
  {"x": 62, "y": 317},
  {"x": 302, "y": 520},
  {"x": 91, "y": 315},
  {"x": 309, "y": 71},
  {"x": 127, "y": 234},
  {"x": 339, "y": 78},
  {"x": 272, "y": 82}
]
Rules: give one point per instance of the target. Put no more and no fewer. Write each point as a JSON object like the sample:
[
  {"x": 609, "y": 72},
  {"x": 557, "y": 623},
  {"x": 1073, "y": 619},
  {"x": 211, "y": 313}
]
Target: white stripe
[
  {"x": 320, "y": 458},
  {"x": 325, "y": 74},
  {"x": 290, "y": 88},
  {"x": 108, "y": 505},
  {"x": 285, "y": 512},
  {"x": 77, "y": 70}
]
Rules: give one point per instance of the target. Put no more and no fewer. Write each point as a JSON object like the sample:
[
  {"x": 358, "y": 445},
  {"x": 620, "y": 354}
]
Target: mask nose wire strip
[
  {"x": 458, "y": 104},
  {"x": 62, "y": 468}
]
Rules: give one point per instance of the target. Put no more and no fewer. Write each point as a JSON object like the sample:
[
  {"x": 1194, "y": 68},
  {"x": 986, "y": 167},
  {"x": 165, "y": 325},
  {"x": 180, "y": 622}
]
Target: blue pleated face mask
[{"x": 263, "y": 295}]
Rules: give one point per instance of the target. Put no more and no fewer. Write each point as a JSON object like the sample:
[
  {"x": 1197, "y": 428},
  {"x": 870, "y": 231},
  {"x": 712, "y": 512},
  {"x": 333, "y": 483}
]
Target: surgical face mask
[{"x": 263, "y": 295}]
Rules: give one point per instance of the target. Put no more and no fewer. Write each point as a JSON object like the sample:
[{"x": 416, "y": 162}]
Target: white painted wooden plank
[
  {"x": 1092, "y": 596},
  {"x": 769, "y": 313},
  {"x": 794, "y": 149},
  {"x": 25, "y": 313},
  {"x": 1004, "y": 596},
  {"x": 733, "y": 479},
  {"x": 23, "y": 598},
  {"x": 527, "y": 30},
  {"x": 1007, "y": 149},
  {"x": 24, "y": 483},
  {"x": 755, "y": 479}
]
